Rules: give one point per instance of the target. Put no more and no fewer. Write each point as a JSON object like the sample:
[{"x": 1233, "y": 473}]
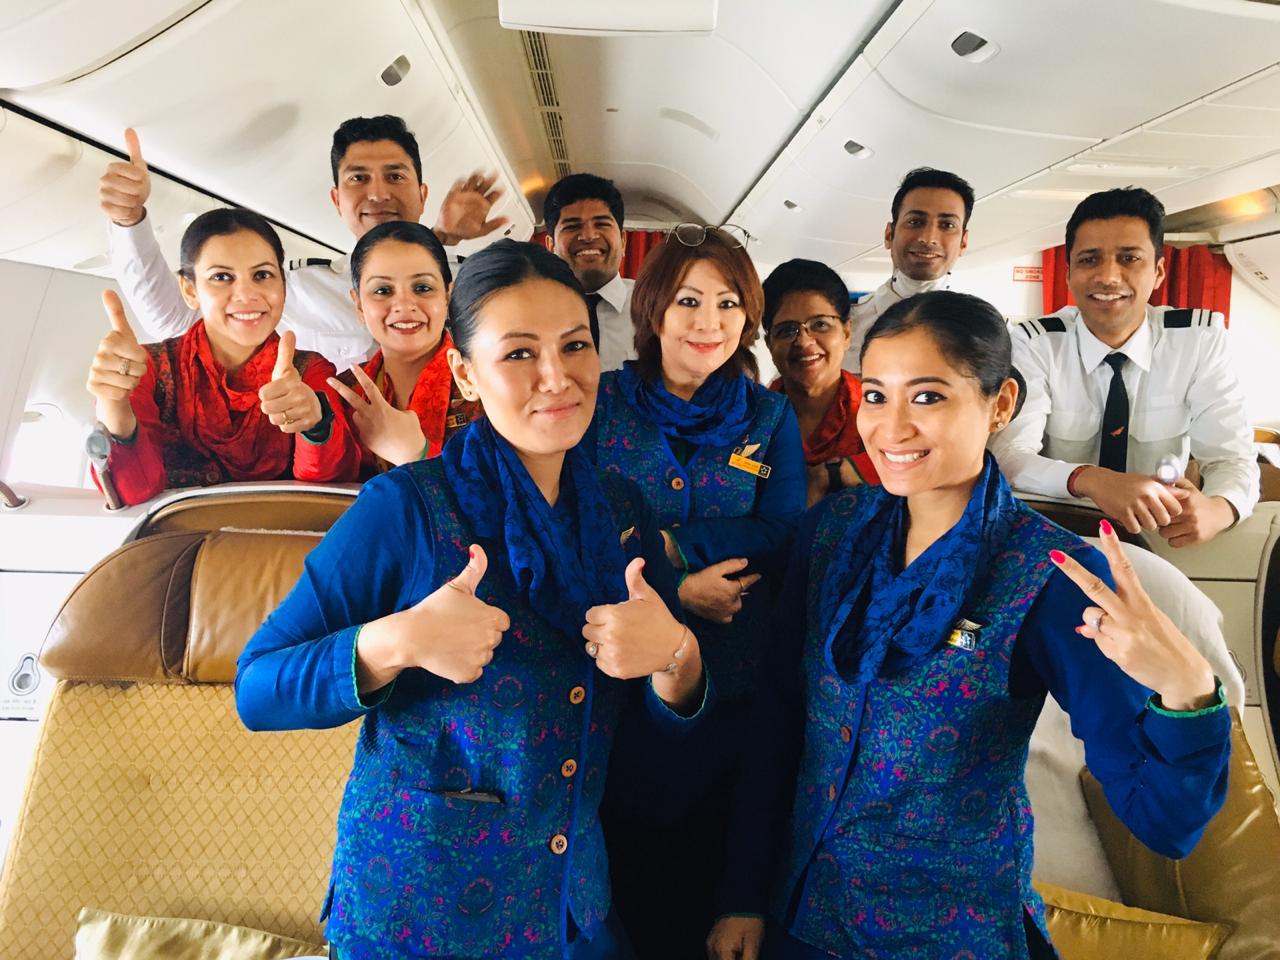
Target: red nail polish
[
  {"x": 1107, "y": 529},
  {"x": 1078, "y": 629},
  {"x": 471, "y": 552},
  {"x": 1057, "y": 556}
]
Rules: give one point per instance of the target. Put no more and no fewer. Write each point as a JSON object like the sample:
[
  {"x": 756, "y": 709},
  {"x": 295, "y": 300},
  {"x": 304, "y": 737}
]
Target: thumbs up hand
[
  {"x": 394, "y": 435},
  {"x": 288, "y": 402},
  {"x": 125, "y": 185},
  {"x": 451, "y": 633},
  {"x": 638, "y": 637},
  {"x": 117, "y": 367}
]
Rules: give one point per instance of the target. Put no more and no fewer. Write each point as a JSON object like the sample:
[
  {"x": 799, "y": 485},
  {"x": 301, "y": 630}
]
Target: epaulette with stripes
[
  {"x": 1182, "y": 319},
  {"x": 309, "y": 262},
  {"x": 1042, "y": 325}
]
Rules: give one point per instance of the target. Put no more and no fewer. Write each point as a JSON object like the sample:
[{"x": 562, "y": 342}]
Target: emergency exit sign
[{"x": 1028, "y": 274}]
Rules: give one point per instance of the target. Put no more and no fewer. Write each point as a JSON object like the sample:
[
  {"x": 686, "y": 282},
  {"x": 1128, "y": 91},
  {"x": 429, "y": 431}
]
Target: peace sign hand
[
  {"x": 286, "y": 400},
  {"x": 394, "y": 435},
  {"x": 125, "y": 185},
  {"x": 1135, "y": 634}
]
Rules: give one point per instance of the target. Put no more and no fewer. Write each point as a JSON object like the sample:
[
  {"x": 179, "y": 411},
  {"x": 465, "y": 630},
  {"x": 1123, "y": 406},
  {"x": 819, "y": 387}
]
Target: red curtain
[
  {"x": 1197, "y": 277},
  {"x": 639, "y": 243}
]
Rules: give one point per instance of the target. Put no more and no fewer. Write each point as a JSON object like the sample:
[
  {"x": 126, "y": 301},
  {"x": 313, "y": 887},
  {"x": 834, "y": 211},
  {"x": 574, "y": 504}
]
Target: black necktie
[
  {"x": 593, "y": 301},
  {"x": 1114, "y": 453}
]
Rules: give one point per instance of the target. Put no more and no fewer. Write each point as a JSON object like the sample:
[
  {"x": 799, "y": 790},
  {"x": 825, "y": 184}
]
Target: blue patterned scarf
[
  {"x": 565, "y": 559},
  {"x": 718, "y": 415},
  {"x": 880, "y": 620}
]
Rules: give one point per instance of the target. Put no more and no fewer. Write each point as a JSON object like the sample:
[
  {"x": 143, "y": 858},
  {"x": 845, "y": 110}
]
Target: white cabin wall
[
  {"x": 1254, "y": 344},
  {"x": 51, "y": 327}
]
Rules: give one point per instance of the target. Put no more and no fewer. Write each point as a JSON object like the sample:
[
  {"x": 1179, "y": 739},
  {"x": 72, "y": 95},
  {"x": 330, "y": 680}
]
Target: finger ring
[
  {"x": 288, "y": 420},
  {"x": 1095, "y": 620},
  {"x": 124, "y": 368},
  {"x": 592, "y": 649}
]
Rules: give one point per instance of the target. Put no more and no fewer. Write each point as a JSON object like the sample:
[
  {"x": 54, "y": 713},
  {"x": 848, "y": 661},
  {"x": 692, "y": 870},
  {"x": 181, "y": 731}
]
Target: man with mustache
[
  {"x": 377, "y": 176},
  {"x": 1115, "y": 387},
  {"x": 583, "y": 216},
  {"x": 929, "y": 229}
]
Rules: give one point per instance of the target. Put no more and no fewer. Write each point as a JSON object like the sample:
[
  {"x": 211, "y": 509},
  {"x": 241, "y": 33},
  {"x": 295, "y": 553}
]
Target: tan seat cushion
[
  {"x": 115, "y": 936},
  {"x": 153, "y": 799},
  {"x": 1233, "y": 874},
  {"x": 1088, "y": 928}
]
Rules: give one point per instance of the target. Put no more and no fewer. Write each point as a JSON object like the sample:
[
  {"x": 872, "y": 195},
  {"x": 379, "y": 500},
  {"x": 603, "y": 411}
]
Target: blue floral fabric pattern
[
  {"x": 911, "y": 831},
  {"x": 469, "y": 826}
]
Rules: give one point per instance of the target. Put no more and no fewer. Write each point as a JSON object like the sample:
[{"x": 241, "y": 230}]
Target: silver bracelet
[{"x": 674, "y": 665}]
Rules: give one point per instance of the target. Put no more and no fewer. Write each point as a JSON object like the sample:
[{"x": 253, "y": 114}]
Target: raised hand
[
  {"x": 715, "y": 593},
  {"x": 125, "y": 185},
  {"x": 464, "y": 215},
  {"x": 1135, "y": 634},
  {"x": 394, "y": 435},
  {"x": 288, "y": 402},
  {"x": 116, "y": 369},
  {"x": 451, "y": 633},
  {"x": 735, "y": 938}
]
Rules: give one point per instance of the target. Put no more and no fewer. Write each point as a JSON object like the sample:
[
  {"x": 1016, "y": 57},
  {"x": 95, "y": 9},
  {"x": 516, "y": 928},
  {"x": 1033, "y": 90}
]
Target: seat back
[{"x": 147, "y": 795}]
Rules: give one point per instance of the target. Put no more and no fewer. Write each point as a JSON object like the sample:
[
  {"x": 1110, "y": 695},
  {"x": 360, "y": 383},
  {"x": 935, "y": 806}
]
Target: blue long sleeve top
[{"x": 1164, "y": 773}]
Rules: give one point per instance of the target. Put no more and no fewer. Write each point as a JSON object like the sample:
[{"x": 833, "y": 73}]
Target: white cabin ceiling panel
[
  {"x": 1212, "y": 152},
  {"x": 46, "y": 41},
  {"x": 1262, "y": 90},
  {"x": 48, "y": 202},
  {"x": 278, "y": 90},
  {"x": 1216, "y": 120},
  {"x": 1101, "y": 73}
]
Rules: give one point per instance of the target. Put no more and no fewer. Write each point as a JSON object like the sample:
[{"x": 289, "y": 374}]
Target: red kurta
[
  {"x": 442, "y": 411},
  {"x": 199, "y": 425},
  {"x": 836, "y": 436}
]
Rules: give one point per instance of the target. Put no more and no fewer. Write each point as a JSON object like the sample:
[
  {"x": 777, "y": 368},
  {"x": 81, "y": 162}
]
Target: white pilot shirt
[
  {"x": 1184, "y": 399},
  {"x": 617, "y": 334},
  {"x": 317, "y": 305},
  {"x": 865, "y": 312}
]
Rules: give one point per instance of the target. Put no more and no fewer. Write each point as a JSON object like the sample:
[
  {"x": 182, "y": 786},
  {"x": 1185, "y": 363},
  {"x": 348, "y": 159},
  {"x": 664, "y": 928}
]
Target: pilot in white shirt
[
  {"x": 583, "y": 216},
  {"x": 1081, "y": 433},
  {"x": 377, "y": 175},
  {"x": 928, "y": 231}
]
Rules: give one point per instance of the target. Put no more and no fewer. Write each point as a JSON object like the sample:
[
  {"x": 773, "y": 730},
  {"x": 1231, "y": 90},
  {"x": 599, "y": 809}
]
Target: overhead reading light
[
  {"x": 974, "y": 48},
  {"x": 613, "y": 17},
  {"x": 857, "y": 150},
  {"x": 396, "y": 72}
]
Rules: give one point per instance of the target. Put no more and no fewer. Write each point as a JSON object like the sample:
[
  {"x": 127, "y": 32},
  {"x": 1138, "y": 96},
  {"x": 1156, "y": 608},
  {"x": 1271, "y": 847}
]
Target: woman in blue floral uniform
[
  {"x": 922, "y": 625},
  {"x": 718, "y": 458},
  {"x": 482, "y": 611}
]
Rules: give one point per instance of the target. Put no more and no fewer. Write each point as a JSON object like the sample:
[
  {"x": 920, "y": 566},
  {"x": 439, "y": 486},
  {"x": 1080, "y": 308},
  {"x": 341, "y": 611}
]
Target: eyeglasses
[
  {"x": 693, "y": 234},
  {"x": 815, "y": 326}
]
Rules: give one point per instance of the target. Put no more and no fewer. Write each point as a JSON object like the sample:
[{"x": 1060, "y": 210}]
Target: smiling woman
[{"x": 229, "y": 399}]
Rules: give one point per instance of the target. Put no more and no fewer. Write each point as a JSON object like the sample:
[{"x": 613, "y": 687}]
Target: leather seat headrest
[{"x": 175, "y": 607}]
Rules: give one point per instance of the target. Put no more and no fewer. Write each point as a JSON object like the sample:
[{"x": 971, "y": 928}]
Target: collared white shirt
[
  {"x": 865, "y": 312},
  {"x": 317, "y": 304},
  {"x": 1184, "y": 399},
  {"x": 617, "y": 334}
]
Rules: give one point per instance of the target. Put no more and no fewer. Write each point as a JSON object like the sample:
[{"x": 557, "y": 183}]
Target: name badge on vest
[
  {"x": 740, "y": 459},
  {"x": 964, "y": 635},
  {"x": 453, "y": 421}
]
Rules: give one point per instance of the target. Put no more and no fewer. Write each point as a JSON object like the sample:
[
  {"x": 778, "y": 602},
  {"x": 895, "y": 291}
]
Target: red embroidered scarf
[
  {"x": 219, "y": 413},
  {"x": 431, "y": 394},
  {"x": 836, "y": 436}
]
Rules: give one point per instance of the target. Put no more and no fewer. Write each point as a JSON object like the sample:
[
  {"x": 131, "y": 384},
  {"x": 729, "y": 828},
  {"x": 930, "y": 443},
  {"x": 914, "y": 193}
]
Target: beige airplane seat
[
  {"x": 1229, "y": 886},
  {"x": 215, "y": 509},
  {"x": 147, "y": 796}
]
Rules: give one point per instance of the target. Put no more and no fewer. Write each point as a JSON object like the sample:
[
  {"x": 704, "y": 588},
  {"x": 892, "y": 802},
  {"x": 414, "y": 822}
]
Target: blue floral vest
[
  {"x": 706, "y": 486},
  {"x": 911, "y": 831},
  {"x": 420, "y": 868}
]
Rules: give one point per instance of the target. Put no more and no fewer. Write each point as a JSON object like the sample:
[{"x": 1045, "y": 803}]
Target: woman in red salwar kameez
[
  {"x": 404, "y": 403},
  {"x": 229, "y": 399}
]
